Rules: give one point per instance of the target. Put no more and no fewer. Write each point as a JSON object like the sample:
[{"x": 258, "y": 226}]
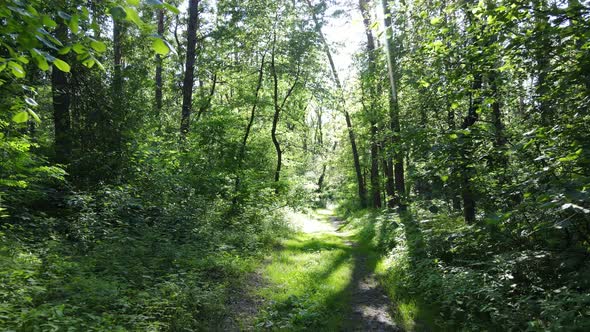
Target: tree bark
[
  {"x": 278, "y": 107},
  {"x": 275, "y": 119},
  {"x": 242, "y": 151},
  {"x": 114, "y": 123},
  {"x": 375, "y": 183},
  {"x": 393, "y": 73},
  {"x": 206, "y": 105},
  {"x": 189, "y": 72},
  {"x": 61, "y": 107},
  {"x": 158, "y": 93},
  {"x": 362, "y": 191},
  {"x": 543, "y": 43},
  {"x": 467, "y": 190}
]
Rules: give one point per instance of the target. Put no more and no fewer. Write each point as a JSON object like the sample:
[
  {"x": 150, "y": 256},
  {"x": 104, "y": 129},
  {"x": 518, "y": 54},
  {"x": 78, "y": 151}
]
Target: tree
[
  {"x": 158, "y": 75},
  {"x": 189, "y": 71},
  {"x": 362, "y": 191},
  {"x": 395, "y": 167},
  {"x": 364, "y": 6},
  {"x": 61, "y": 106}
]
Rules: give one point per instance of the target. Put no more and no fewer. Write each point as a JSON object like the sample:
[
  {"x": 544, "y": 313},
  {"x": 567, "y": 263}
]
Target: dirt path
[
  {"x": 322, "y": 266},
  {"x": 370, "y": 305}
]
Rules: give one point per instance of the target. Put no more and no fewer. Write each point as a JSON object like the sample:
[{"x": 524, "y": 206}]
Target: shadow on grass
[
  {"x": 411, "y": 309},
  {"x": 309, "y": 276},
  {"x": 335, "y": 289}
]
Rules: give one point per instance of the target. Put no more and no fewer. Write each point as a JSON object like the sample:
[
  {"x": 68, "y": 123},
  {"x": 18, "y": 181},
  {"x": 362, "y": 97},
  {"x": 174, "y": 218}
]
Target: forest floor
[{"x": 321, "y": 278}]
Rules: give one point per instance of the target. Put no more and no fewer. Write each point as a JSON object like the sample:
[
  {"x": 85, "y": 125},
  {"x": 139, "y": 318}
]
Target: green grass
[
  {"x": 311, "y": 273},
  {"x": 376, "y": 235},
  {"x": 308, "y": 283}
]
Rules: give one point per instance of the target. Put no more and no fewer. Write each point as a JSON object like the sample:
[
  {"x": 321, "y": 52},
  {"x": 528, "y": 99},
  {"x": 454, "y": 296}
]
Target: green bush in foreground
[
  {"x": 467, "y": 279},
  {"x": 117, "y": 263}
]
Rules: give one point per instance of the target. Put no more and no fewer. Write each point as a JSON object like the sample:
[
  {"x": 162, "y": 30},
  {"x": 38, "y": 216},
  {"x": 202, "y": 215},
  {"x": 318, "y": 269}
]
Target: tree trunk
[
  {"x": 499, "y": 138},
  {"x": 362, "y": 191},
  {"x": 118, "y": 31},
  {"x": 250, "y": 123},
  {"x": 393, "y": 73},
  {"x": 113, "y": 124},
  {"x": 467, "y": 190},
  {"x": 61, "y": 107},
  {"x": 541, "y": 57},
  {"x": 321, "y": 179},
  {"x": 375, "y": 180},
  {"x": 189, "y": 72},
  {"x": 389, "y": 184},
  {"x": 375, "y": 183},
  {"x": 206, "y": 105},
  {"x": 275, "y": 119},
  {"x": 160, "y": 20}
]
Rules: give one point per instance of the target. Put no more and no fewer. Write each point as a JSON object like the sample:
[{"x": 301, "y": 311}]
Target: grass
[
  {"x": 308, "y": 281},
  {"x": 377, "y": 234},
  {"x": 311, "y": 274}
]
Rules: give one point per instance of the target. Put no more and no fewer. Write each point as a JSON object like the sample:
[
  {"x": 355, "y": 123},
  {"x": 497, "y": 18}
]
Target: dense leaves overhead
[{"x": 148, "y": 149}]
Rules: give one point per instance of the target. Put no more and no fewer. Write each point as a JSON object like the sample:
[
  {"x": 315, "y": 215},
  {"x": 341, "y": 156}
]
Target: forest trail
[
  {"x": 370, "y": 305},
  {"x": 324, "y": 280}
]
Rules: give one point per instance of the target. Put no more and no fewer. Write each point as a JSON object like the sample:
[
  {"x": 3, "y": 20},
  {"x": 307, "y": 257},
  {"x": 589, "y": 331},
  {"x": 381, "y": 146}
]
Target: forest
[{"x": 239, "y": 165}]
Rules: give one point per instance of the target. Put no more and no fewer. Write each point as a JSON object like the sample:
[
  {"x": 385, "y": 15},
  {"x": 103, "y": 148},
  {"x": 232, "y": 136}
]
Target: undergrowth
[
  {"x": 308, "y": 284},
  {"x": 444, "y": 275},
  {"x": 112, "y": 261}
]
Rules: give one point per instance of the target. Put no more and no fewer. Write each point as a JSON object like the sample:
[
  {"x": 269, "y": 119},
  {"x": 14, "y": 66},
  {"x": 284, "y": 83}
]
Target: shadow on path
[{"x": 369, "y": 303}]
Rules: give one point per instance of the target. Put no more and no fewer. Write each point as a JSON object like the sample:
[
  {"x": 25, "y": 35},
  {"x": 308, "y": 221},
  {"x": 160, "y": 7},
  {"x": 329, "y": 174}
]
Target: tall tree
[
  {"x": 158, "y": 78},
  {"x": 189, "y": 71},
  {"x": 364, "y": 6},
  {"x": 362, "y": 190},
  {"x": 61, "y": 105},
  {"x": 242, "y": 150},
  {"x": 279, "y": 105},
  {"x": 397, "y": 166}
]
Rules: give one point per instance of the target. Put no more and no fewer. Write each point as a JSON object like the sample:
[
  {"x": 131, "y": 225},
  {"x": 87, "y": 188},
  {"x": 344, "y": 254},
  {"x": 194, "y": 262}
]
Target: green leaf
[
  {"x": 118, "y": 13},
  {"x": 133, "y": 2},
  {"x": 31, "y": 102},
  {"x": 62, "y": 65},
  {"x": 171, "y": 8},
  {"x": 42, "y": 63},
  {"x": 79, "y": 48},
  {"x": 21, "y": 117},
  {"x": 23, "y": 59},
  {"x": 572, "y": 156},
  {"x": 89, "y": 63},
  {"x": 99, "y": 65},
  {"x": 73, "y": 24},
  {"x": 48, "y": 22},
  {"x": 435, "y": 20},
  {"x": 98, "y": 46},
  {"x": 16, "y": 69},
  {"x": 133, "y": 16},
  {"x": 63, "y": 15},
  {"x": 160, "y": 47},
  {"x": 65, "y": 50},
  {"x": 34, "y": 115}
]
